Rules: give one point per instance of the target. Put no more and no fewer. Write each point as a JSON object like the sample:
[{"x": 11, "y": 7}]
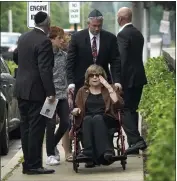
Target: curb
[{"x": 13, "y": 163}]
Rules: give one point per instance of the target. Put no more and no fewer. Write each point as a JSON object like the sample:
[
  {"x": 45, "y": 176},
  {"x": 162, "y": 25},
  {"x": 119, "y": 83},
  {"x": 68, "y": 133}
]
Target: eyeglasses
[{"x": 92, "y": 75}]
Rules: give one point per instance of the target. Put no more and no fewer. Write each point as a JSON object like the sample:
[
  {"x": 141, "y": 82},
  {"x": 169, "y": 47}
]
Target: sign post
[
  {"x": 35, "y": 7},
  {"x": 74, "y": 13}
]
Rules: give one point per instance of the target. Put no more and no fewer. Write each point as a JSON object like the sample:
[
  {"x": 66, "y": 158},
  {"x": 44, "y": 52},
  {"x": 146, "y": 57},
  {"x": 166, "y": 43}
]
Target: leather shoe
[
  {"x": 39, "y": 171},
  {"x": 140, "y": 145},
  {"x": 89, "y": 165},
  {"x": 108, "y": 156},
  {"x": 134, "y": 152},
  {"x": 82, "y": 156},
  {"x": 24, "y": 168}
]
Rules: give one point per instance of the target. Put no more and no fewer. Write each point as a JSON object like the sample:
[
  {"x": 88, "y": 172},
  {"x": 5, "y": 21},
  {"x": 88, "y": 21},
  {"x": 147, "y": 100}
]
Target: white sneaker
[
  {"x": 57, "y": 154},
  {"x": 51, "y": 160}
]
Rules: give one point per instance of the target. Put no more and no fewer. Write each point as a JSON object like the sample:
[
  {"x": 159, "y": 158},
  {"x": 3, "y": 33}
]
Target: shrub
[
  {"x": 157, "y": 107},
  {"x": 11, "y": 66}
]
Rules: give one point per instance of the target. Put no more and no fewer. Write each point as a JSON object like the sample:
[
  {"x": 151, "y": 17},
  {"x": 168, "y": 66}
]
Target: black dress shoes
[
  {"x": 140, "y": 145},
  {"x": 134, "y": 152},
  {"x": 38, "y": 171},
  {"x": 24, "y": 168},
  {"x": 82, "y": 156},
  {"x": 108, "y": 156},
  {"x": 89, "y": 165}
]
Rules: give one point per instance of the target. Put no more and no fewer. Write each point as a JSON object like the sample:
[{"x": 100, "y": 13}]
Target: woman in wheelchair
[{"x": 96, "y": 103}]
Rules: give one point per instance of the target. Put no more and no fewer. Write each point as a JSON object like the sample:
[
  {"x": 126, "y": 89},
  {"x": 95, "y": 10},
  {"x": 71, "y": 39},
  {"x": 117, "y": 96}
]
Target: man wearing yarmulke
[
  {"x": 34, "y": 83},
  {"x": 93, "y": 45}
]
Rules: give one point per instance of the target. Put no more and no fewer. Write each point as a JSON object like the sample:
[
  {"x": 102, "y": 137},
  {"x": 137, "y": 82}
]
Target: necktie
[{"x": 94, "y": 49}]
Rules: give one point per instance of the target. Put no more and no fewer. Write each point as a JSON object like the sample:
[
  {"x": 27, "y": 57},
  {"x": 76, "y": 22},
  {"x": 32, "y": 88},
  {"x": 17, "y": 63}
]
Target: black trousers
[
  {"x": 32, "y": 127},
  {"x": 52, "y": 138},
  {"x": 132, "y": 98},
  {"x": 95, "y": 136}
]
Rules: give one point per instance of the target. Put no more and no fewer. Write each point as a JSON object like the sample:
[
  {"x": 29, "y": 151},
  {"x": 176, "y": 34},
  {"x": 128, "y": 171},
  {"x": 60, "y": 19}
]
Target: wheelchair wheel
[
  {"x": 123, "y": 163},
  {"x": 75, "y": 164}
]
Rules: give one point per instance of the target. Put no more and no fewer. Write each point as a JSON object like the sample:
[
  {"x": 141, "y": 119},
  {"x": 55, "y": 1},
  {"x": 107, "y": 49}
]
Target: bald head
[{"x": 124, "y": 15}]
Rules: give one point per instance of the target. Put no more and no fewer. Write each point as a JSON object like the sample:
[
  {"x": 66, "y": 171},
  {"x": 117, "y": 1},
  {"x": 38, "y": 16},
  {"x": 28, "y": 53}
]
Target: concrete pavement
[
  {"x": 14, "y": 147},
  {"x": 64, "y": 171}
]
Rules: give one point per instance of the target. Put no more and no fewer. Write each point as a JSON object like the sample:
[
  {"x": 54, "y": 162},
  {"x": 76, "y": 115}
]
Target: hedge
[{"x": 157, "y": 108}]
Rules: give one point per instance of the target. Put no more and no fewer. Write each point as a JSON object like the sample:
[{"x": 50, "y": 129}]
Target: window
[{"x": 9, "y": 39}]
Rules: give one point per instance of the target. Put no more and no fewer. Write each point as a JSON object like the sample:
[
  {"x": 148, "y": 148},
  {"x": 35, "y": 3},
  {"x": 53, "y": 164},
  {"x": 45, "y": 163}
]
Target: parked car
[
  {"x": 9, "y": 113},
  {"x": 9, "y": 44}
]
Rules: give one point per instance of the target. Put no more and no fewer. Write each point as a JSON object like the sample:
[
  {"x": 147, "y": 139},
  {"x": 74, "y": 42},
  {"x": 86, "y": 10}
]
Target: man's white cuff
[{"x": 71, "y": 86}]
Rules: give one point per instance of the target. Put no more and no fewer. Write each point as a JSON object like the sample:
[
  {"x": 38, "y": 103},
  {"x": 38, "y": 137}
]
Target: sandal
[{"x": 69, "y": 158}]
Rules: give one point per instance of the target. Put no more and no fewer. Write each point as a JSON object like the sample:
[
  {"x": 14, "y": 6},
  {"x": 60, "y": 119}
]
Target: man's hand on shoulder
[
  {"x": 118, "y": 86},
  {"x": 71, "y": 88}
]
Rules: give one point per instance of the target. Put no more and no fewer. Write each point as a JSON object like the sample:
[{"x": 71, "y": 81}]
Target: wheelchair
[{"x": 119, "y": 148}]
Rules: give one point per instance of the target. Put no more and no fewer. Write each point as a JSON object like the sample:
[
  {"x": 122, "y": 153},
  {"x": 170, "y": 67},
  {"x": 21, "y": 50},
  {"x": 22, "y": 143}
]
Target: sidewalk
[{"x": 64, "y": 171}]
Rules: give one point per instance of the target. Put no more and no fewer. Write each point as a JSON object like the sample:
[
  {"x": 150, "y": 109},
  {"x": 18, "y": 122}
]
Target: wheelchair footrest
[
  {"x": 120, "y": 157},
  {"x": 83, "y": 160}
]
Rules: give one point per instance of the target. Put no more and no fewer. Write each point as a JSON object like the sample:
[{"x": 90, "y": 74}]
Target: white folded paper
[{"x": 48, "y": 108}]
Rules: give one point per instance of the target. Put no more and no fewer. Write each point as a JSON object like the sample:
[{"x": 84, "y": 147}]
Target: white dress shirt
[
  {"x": 124, "y": 26},
  {"x": 97, "y": 40}
]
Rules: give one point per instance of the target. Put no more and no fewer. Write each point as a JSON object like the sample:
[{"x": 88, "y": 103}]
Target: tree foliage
[
  {"x": 59, "y": 12},
  {"x": 19, "y": 16}
]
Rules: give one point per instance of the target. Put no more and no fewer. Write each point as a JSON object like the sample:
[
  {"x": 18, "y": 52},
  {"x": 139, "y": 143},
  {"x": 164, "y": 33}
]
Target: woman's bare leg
[{"x": 66, "y": 144}]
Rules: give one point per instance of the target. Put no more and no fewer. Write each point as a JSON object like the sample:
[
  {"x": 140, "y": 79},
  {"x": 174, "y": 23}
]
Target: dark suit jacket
[
  {"x": 130, "y": 43},
  {"x": 35, "y": 60},
  {"x": 80, "y": 56}
]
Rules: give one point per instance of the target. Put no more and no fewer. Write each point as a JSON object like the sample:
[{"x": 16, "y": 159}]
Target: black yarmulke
[
  {"x": 95, "y": 13},
  {"x": 40, "y": 17}
]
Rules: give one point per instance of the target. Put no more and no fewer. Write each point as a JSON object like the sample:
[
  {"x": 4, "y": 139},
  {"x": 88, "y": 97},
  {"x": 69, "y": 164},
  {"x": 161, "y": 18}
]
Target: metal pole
[
  {"x": 145, "y": 34},
  {"x": 83, "y": 15},
  {"x": 10, "y": 26},
  {"x": 116, "y": 24},
  {"x": 115, "y": 6},
  {"x": 148, "y": 29},
  {"x": 137, "y": 10},
  {"x": 75, "y": 27}
]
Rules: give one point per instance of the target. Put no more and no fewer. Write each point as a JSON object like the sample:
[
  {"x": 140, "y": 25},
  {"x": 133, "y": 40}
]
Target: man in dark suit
[
  {"x": 89, "y": 46},
  {"x": 34, "y": 83},
  {"x": 130, "y": 43}
]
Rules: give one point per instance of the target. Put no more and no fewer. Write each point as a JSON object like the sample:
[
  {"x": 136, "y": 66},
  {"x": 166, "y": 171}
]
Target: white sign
[
  {"x": 164, "y": 26},
  {"x": 74, "y": 12},
  {"x": 35, "y": 7}
]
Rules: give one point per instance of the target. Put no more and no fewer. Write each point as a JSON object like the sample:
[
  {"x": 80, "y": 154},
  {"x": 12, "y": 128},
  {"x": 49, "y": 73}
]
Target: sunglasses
[{"x": 92, "y": 75}]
